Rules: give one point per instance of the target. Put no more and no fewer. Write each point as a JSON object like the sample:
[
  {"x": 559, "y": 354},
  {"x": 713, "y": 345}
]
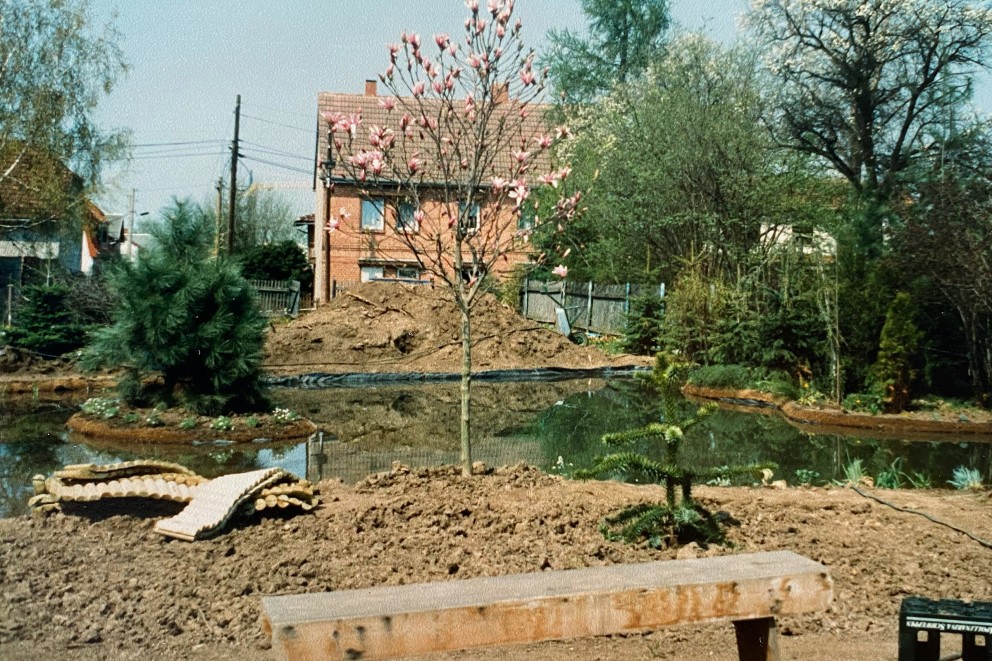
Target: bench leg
[{"x": 757, "y": 640}]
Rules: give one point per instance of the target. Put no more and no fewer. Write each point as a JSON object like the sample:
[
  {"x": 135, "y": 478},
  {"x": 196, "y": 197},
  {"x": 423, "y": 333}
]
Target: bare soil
[
  {"x": 97, "y": 583},
  {"x": 379, "y": 327}
]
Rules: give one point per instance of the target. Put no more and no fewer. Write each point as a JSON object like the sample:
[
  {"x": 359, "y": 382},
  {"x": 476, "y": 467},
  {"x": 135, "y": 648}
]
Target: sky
[{"x": 189, "y": 59}]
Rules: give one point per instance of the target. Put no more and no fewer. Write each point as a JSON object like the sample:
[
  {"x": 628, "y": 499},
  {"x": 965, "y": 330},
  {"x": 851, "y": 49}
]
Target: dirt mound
[
  {"x": 104, "y": 585},
  {"x": 383, "y": 327}
]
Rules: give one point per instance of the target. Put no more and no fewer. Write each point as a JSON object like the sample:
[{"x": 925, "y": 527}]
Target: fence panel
[
  {"x": 278, "y": 296},
  {"x": 589, "y": 306}
]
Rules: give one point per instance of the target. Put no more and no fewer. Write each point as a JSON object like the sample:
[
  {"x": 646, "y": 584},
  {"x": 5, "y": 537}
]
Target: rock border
[{"x": 837, "y": 420}]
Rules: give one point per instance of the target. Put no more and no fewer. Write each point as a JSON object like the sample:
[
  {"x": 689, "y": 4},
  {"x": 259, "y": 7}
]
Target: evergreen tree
[
  {"x": 892, "y": 375},
  {"x": 188, "y": 318},
  {"x": 45, "y": 323}
]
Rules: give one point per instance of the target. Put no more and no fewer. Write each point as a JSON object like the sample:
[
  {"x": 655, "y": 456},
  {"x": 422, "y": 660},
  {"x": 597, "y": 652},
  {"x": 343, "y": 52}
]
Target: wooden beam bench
[{"x": 391, "y": 622}]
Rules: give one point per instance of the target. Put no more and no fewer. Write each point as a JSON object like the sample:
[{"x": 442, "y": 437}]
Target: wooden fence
[
  {"x": 278, "y": 296},
  {"x": 587, "y": 305}
]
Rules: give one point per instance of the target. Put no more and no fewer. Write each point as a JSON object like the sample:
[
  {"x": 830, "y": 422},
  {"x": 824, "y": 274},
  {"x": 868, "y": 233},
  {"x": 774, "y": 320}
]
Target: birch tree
[{"x": 55, "y": 67}]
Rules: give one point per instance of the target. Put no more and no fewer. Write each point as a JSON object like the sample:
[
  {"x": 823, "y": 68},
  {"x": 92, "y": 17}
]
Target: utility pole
[
  {"x": 234, "y": 177},
  {"x": 220, "y": 210},
  {"x": 130, "y": 227}
]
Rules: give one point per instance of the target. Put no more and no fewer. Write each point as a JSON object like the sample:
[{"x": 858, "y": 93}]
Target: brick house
[{"x": 377, "y": 226}]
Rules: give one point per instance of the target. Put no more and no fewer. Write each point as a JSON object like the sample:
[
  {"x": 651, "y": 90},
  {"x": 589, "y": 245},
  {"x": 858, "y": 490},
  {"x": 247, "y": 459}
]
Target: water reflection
[{"x": 366, "y": 429}]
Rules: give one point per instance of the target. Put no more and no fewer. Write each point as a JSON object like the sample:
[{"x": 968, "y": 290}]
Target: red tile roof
[{"x": 518, "y": 134}]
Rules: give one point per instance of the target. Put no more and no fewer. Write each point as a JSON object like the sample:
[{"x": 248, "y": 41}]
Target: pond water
[{"x": 556, "y": 426}]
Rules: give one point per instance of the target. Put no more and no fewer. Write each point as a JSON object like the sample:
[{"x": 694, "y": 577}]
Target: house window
[
  {"x": 370, "y": 273},
  {"x": 407, "y": 273},
  {"x": 468, "y": 216},
  {"x": 527, "y": 218},
  {"x": 405, "y": 217},
  {"x": 372, "y": 214}
]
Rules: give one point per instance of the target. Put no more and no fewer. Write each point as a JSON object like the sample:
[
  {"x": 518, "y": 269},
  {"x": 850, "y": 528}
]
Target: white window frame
[
  {"x": 475, "y": 212},
  {"x": 373, "y": 214},
  {"x": 370, "y": 273}
]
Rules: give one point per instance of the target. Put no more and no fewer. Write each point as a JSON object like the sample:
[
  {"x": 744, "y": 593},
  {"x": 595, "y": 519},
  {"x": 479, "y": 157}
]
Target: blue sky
[{"x": 190, "y": 59}]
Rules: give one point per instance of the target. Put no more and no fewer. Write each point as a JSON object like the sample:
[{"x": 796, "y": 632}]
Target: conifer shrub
[
  {"x": 187, "y": 326},
  {"x": 642, "y": 332},
  {"x": 45, "y": 323},
  {"x": 892, "y": 375},
  {"x": 680, "y": 519}
]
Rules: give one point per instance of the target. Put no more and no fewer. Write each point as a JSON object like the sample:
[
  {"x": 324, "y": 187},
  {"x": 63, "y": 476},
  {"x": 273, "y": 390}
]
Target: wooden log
[{"x": 396, "y": 621}]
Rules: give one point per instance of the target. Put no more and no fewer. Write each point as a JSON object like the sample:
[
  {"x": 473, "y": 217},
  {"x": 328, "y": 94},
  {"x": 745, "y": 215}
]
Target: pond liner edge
[{"x": 324, "y": 380}]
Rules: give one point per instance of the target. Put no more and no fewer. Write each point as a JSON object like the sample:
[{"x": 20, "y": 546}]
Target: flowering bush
[
  {"x": 284, "y": 416},
  {"x": 101, "y": 407}
]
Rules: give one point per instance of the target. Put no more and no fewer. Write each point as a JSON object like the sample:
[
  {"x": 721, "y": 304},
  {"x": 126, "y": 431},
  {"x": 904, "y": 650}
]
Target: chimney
[
  {"x": 501, "y": 92},
  {"x": 370, "y": 88}
]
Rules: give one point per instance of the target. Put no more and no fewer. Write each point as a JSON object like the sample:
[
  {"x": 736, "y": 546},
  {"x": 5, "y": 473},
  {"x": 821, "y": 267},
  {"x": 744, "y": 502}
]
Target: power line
[
  {"x": 176, "y": 144},
  {"x": 275, "y": 164},
  {"x": 149, "y": 157},
  {"x": 269, "y": 121},
  {"x": 275, "y": 152}
]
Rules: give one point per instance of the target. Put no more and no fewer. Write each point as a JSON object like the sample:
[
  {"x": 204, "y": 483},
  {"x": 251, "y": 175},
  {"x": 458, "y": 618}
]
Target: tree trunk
[{"x": 466, "y": 391}]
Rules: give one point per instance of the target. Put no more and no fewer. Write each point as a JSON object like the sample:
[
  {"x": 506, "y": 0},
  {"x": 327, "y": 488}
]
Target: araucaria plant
[
  {"x": 458, "y": 147},
  {"x": 187, "y": 326},
  {"x": 680, "y": 519}
]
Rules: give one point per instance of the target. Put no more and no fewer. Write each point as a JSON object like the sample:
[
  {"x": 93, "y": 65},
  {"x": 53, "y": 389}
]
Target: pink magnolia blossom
[
  {"x": 376, "y": 164},
  {"x": 418, "y": 217},
  {"x": 499, "y": 183},
  {"x": 442, "y": 40},
  {"x": 543, "y": 141},
  {"x": 437, "y": 86},
  {"x": 394, "y": 50},
  {"x": 390, "y": 70},
  {"x": 474, "y": 61},
  {"x": 521, "y": 156},
  {"x": 415, "y": 40},
  {"x": 332, "y": 119},
  {"x": 480, "y": 26},
  {"x": 405, "y": 121},
  {"x": 519, "y": 192},
  {"x": 550, "y": 179},
  {"x": 495, "y": 6},
  {"x": 387, "y": 103},
  {"x": 331, "y": 225},
  {"x": 473, "y": 5},
  {"x": 418, "y": 89},
  {"x": 562, "y": 132},
  {"x": 464, "y": 164},
  {"x": 500, "y": 31},
  {"x": 527, "y": 77},
  {"x": 343, "y": 213},
  {"x": 561, "y": 271},
  {"x": 380, "y": 137},
  {"x": 414, "y": 164},
  {"x": 452, "y": 49},
  {"x": 519, "y": 24}
]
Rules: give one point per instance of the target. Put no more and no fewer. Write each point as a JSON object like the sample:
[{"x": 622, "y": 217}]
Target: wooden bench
[{"x": 396, "y": 621}]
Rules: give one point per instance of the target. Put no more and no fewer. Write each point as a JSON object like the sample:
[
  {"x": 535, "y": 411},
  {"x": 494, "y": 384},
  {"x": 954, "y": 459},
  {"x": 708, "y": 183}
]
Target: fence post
[
  {"x": 626, "y": 299},
  {"x": 526, "y": 303},
  {"x": 10, "y": 304},
  {"x": 589, "y": 307}
]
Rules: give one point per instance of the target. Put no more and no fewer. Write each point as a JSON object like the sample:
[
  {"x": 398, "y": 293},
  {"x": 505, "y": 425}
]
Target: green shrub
[
  {"x": 45, "y": 323},
  {"x": 863, "y": 402},
  {"x": 190, "y": 319},
  {"x": 643, "y": 327},
  {"x": 892, "y": 375},
  {"x": 187, "y": 423},
  {"x": 278, "y": 261}
]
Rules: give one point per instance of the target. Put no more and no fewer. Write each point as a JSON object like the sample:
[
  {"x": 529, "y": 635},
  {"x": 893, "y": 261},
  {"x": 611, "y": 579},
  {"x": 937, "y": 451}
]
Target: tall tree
[
  {"x": 466, "y": 147},
  {"x": 54, "y": 69},
  {"x": 624, "y": 37},
  {"x": 680, "y": 160},
  {"x": 263, "y": 217},
  {"x": 861, "y": 83}
]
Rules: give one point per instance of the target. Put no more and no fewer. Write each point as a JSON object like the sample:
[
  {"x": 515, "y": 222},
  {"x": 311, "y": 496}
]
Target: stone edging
[{"x": 839, "y": 419}]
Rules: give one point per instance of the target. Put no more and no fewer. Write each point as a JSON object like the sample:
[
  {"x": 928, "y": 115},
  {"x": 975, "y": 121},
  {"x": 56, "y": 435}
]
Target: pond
[{"x": 556, "y": 426}]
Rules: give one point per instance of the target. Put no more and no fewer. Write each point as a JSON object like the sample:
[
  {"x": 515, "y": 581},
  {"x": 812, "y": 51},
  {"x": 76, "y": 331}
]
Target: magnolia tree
[{"x": 465, "y": 149}]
